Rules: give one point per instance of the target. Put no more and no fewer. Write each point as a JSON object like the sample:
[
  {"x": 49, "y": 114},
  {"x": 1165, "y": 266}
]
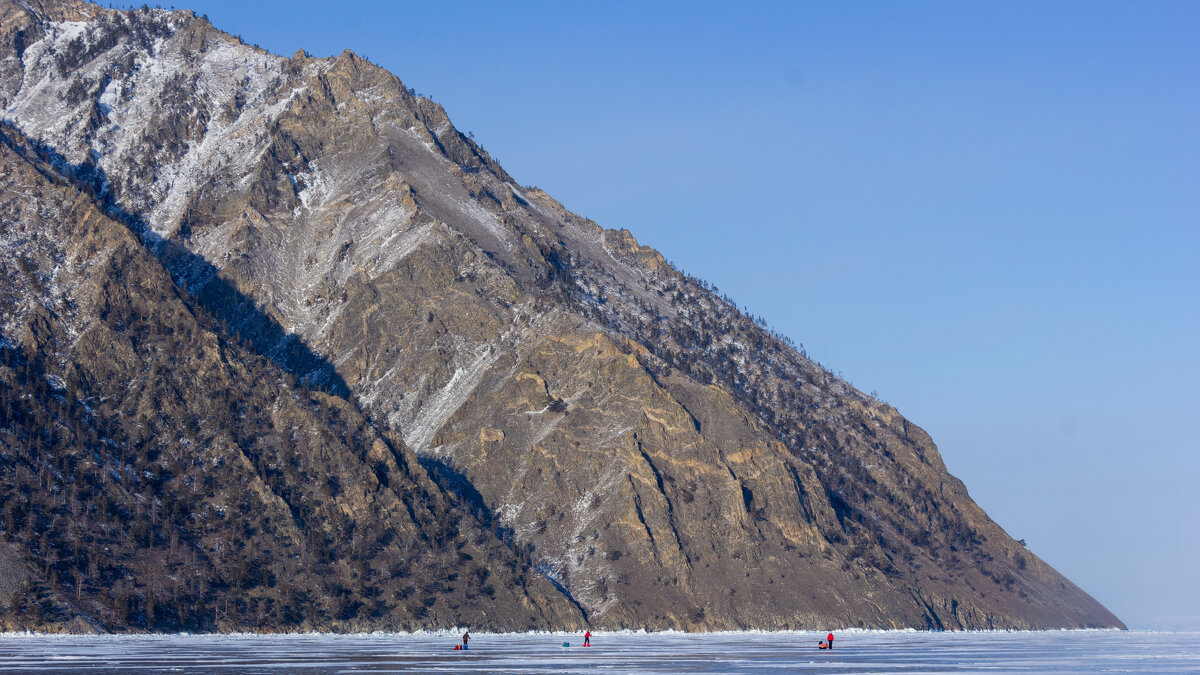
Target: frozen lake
[{"x": 856, "y": 652}]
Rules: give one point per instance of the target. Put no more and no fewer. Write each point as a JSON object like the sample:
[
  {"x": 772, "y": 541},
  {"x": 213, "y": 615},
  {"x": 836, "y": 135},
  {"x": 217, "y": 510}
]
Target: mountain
[
  {"x": 158, "y": 474},
  {"x": 614, "y": 441}
]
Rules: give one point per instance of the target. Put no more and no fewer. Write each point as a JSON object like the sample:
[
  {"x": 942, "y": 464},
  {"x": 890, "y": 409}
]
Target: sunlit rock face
[{"x": 625, "y": 431}]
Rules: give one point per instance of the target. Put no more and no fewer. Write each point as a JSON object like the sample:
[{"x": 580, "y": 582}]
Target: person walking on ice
[
  {"x": 466, "y": 638},
  {"x": 829, "y": 640},
  {"x": 587, "y": 639}
]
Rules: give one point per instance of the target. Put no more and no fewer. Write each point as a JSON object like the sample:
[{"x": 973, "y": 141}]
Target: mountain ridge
[
  {"x": 665, "y": 461},
  {"x": 197, "y": 489}
]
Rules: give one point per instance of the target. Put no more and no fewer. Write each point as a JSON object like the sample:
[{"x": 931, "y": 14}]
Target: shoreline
[{"x": 456, "y": 631}]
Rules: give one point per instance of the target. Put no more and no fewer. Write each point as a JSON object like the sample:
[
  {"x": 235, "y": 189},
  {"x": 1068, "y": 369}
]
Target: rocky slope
[
  {"x": 658, "y": 456},
  {"x": 160, "y": 476}
]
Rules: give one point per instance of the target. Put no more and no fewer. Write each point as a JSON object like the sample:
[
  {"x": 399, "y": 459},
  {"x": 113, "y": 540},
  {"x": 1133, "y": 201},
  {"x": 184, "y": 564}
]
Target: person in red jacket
[
  {"x": 587, "y": 639},
  {"x": 829, "y": 640}
]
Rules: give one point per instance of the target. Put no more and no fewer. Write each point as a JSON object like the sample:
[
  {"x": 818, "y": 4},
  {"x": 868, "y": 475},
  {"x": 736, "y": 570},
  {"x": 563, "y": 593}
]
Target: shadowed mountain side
[
  {"x": 157, "y": 476},
  {"x": 235, "y": 315}
]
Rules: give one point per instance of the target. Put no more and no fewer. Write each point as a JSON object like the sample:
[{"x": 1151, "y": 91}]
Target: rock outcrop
[{"x": 587, "y": 416}]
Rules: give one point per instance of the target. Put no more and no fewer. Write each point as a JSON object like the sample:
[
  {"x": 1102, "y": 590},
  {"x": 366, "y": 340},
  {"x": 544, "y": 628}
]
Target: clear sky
[{"x": 989, "y": 213}]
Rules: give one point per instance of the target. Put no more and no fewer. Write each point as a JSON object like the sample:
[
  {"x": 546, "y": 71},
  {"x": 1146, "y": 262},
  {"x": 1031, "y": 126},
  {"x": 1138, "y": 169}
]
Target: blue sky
[{"x": 989, "y": 213}]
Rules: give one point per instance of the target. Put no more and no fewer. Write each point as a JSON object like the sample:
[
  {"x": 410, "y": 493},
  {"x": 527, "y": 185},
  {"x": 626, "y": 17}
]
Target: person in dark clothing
[
  {"x": 587, "y": 639},
  {"x": 466, "y": 638},
  {"x": 829, "y": 639}
]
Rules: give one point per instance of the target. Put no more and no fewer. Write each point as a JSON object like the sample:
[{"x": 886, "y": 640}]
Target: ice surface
[{"x": 746, "y": 652}]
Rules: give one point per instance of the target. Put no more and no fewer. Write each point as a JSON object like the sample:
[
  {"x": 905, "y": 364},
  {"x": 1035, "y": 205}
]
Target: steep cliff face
[{"x": 662, "y": 459}]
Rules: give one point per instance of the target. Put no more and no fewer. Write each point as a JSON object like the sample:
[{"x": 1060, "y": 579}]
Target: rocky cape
[{"x": 283, "y": 349}]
